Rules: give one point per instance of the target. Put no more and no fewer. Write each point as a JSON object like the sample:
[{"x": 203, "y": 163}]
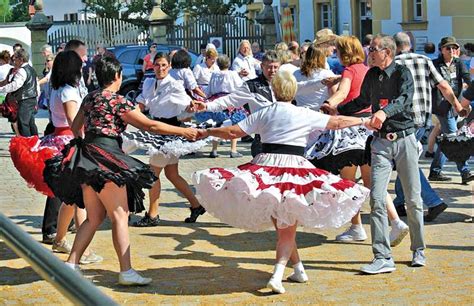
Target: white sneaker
[
  {"x": 276, "y": 286},
  {"x": 133, "y": 279},
  {"x": 353, "y": 233},
  {"x": 397, "y": 233},
  {"x": 298, "y": 277}
]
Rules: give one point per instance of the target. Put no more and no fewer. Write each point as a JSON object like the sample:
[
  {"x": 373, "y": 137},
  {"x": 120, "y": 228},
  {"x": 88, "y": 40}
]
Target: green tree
[
  {"x": 201, "y": 8},
  {"x": 5, "y": 10},
  {"x": 19, "y": 12},
  {"x": 135, "y": 12}
]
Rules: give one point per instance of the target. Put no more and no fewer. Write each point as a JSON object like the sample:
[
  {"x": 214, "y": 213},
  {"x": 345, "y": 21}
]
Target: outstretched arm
[{"x": 228, "y": 132}]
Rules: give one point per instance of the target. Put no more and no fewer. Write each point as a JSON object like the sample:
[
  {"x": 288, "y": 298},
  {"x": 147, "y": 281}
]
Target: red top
[
  {"x": 356, "y": 74},
  {"x": 149, "y": 62}
]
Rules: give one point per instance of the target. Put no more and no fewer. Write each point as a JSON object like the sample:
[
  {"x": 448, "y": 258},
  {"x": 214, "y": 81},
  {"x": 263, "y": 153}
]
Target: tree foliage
[
  {"x": 135, "y": 11},
  {"x": 201, "y": 8},
  {"x": 19, "y": 13}
]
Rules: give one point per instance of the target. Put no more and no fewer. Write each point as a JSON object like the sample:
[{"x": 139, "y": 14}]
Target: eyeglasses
[
  {"x": 374, "y": 49},
  {"x": 449, "y": 48},
  {"x": 153, "y": 47}
]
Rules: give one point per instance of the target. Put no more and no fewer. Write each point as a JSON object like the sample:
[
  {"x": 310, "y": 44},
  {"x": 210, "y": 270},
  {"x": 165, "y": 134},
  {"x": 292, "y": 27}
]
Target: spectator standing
[
  {"x": 257, "y": 51},
  {"x": 455, "y": 72},
  {"x": 148, "y": 59},
  {"x": 245, "y": 64}
]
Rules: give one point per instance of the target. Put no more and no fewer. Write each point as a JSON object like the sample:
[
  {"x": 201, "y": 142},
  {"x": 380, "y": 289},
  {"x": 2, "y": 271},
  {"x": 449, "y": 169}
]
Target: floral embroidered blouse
[{"x": 103, "y": 112}]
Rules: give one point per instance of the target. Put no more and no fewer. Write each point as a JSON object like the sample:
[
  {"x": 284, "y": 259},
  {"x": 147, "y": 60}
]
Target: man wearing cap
[
  {"x": 455, "y": 72},
  {"x": 326, "y": 40},
  {"x": 388, "y": 88},
  {"x": 424, "y": 75}
]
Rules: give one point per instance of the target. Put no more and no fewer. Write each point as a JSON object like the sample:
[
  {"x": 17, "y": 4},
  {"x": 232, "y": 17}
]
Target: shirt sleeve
[
  {"x": 236, "y": 99},
  {"x": 317, "y": 120},
  {"x": 189, "y": 80},
  {"x": 147, "y": 92},
  {"x": 250, "y": 125},
  {"x": 17, "y": 82},
  {"x": 348, "y": 73},
  {"x": 70, "y": 93},
  {"x": 362, "y": 101},
  {"x": 404, "y": 100},
  {"x": 469, "y": 93}
]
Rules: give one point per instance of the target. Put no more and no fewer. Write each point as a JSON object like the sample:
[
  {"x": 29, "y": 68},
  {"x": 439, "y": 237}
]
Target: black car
[{"x": 131, "y": 58}]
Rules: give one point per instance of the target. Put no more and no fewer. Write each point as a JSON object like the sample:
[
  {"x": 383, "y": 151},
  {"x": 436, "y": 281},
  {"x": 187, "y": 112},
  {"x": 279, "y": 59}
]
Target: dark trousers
[
  {"x": 50, "y": 216},
  {"x": 26, "y": 117}
]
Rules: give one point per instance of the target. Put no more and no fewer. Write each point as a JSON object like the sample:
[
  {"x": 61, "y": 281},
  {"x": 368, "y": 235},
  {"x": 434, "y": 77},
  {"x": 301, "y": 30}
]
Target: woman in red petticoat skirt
[{"x": 280, "y": 187}]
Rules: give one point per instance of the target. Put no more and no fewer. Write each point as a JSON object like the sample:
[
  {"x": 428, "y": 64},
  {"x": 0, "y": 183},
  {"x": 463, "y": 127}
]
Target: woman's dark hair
[
  {"x": 161, "y": 55},
  {"x": 429, "y": 48},
  {"x": 106, "y": 69},
  {"x": 181, "y": 59},
  {"x": 67, "y": 70}
]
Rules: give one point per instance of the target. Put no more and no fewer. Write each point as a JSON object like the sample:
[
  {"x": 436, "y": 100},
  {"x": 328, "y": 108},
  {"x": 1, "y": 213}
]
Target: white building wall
[{"x": 57, "y": 8}]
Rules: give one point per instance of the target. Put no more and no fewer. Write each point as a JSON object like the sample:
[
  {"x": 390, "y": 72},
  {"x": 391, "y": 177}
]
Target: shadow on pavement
[
  {"x": 13, "y": 277},
  {"x": 6, "y": 253}
]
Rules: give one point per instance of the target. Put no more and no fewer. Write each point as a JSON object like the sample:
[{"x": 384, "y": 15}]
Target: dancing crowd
[{"x": 318, "y": 115}]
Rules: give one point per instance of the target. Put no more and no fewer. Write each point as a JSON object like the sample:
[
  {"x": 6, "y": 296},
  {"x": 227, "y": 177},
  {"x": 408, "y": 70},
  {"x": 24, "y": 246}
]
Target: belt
[
  {"x": 282, "y": 149},
  {"x": 395, "y": 135},
  {"x": 171, "y": 121}
]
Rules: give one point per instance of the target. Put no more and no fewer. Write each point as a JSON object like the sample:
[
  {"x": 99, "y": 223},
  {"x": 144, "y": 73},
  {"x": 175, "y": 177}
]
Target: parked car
[{"x": 131, "y": 58}]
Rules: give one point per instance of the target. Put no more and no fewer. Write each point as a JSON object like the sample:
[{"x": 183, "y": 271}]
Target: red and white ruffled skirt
[
  {"x": 30, "y": 153},
  {"x": 286, "y": 187}
]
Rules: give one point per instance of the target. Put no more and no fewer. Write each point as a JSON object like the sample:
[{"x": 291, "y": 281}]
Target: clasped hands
[
  {"x": 196, "y": 106},
  {"x": 373, "y": 123}
]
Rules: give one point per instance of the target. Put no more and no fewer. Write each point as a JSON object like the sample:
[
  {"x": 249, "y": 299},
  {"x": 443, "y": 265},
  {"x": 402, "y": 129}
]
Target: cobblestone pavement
[{"x": 212, "y": 263}]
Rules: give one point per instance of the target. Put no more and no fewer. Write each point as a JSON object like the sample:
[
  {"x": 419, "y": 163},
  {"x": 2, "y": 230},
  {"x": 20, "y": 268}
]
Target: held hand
[
  {"x": 328, "y": 109},
  {"x": 243, "y": 73},
  {"x": 199, "y": 106},
  {"x": 378, "y": 119},
  {"x": 366, "y": 124},
  {"x": 465, "y": 111},
  {"x": 202, "y": 133},
  {"x": 458, "y": 108},
  {"x": 190, "y": 134}
]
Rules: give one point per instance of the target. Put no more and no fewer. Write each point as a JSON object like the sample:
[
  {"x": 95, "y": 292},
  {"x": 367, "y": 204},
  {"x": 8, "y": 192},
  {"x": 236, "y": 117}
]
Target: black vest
[
  {"x": 29, "y": 89},
  {"x": 261, "y": 86}
]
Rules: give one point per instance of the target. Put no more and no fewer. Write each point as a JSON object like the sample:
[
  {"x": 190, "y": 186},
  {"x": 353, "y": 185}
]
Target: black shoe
[
  {"x": 467, "y": 177},
  {"x": 246, "y": 139},
  {"x": 401, "y": 211},
  {"x": 438, "y": 177},
  {"x": 195, "y": 213},
  {"x": 433, "y": 212},
  {"x": 147, "y": 221},
  {"x": 429, "y": 154},
  {"x": 49, "y": 238}
]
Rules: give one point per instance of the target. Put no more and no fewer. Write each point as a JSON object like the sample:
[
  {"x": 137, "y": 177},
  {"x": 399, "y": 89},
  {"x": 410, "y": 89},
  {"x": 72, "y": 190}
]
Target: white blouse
[
  {"x": 226, "y": 81},
  {"x": 202, "y": 73},
  {"x": 312, "y": 96},
  {"x": 248, "y": 63},
  {"x": 185, "y": 75},
  {"x": 164, "y": 98},
  {"x": 284, "y": 123}
]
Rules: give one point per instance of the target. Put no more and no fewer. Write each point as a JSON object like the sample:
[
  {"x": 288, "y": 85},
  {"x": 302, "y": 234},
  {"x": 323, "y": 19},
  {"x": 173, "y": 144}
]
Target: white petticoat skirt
[
  {"x": 286, "y": 187},
  {"x": 167, "y": 145}
]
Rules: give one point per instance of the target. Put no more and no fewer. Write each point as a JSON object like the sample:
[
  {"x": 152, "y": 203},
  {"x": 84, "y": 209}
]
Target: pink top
[
  {"x": 149, "y": 62},
  {"x": 356, "y": 74}
]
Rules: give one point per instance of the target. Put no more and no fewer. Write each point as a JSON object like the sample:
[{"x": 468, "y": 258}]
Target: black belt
[
  {"x": 282, "y": 149},
  {"x": 172, "y": 121},
  {"x": 395, "y": 135}
]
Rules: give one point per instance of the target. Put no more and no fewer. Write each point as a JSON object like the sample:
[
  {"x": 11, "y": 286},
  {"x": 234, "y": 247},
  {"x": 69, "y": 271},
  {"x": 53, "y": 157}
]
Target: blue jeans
[
  {"x": 448, "y": 126},
  {"x": 428, "y": 195}
]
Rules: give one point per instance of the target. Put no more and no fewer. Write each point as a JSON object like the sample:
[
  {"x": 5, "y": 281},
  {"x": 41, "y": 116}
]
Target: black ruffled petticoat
[
  {"x": 95, "y": 161},
  {"x": 335, "y": 163},
  {"x": 457, "y": 149}
]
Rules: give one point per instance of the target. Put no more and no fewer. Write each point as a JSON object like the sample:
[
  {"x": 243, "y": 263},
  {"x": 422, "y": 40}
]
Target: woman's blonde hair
[
  {"x": 281, "y": 46},
  {"x": 314, "y": 59},
  {"x": 350, "y": 50},
  {"x": 212, "y": 53},
  {"x": 284, "y": 86}
]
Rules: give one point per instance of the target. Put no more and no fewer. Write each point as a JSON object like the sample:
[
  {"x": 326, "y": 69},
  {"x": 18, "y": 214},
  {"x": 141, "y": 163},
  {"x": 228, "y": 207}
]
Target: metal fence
[
  {"x": 231, "y": 30},
  {"x": 106, "y": 31}
]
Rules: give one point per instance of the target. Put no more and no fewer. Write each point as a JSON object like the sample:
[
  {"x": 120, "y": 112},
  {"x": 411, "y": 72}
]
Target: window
[
  {"x": 417, "y": 9},
  {"x": 128, "y": 57},
  {"x": 70, "y": 17},
  {"x": 326, "y": 16},
  {"x": 294, "y": 17}
]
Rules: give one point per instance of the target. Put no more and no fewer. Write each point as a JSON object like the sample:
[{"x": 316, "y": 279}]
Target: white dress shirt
[{"x": 202, "y": 73}]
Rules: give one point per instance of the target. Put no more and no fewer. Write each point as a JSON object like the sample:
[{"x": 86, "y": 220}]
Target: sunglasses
[
  {"x": 374, "y": 49},
  {"x": 449, "y": 48},
  {"x": 152, "y": 47}
]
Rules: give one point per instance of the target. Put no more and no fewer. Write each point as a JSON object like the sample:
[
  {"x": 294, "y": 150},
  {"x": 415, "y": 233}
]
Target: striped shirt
[{"x": 425, "y": 76}]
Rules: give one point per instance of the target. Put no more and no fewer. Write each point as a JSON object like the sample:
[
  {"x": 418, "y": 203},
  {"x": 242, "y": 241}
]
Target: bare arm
[
  {"x": 340, "y": 122},
  {"x": 140, "y": 121},
  {"x": 199, "y": 92},
  {"x": 448, "y": 94},
  {"x": 228, "y": 132},
  {"x": 70, "y": 110},
  {"x": 78, "y": 123},
  {"x": 341, "y": 93}
]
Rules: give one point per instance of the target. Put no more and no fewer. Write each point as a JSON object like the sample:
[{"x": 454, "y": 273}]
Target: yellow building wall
[
  {"x": 380, "y": 11},
  {"x": 462, "y": 12}
]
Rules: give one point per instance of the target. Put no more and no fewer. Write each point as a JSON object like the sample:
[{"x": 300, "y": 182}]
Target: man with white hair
[{"x": 424, "y": 74}]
